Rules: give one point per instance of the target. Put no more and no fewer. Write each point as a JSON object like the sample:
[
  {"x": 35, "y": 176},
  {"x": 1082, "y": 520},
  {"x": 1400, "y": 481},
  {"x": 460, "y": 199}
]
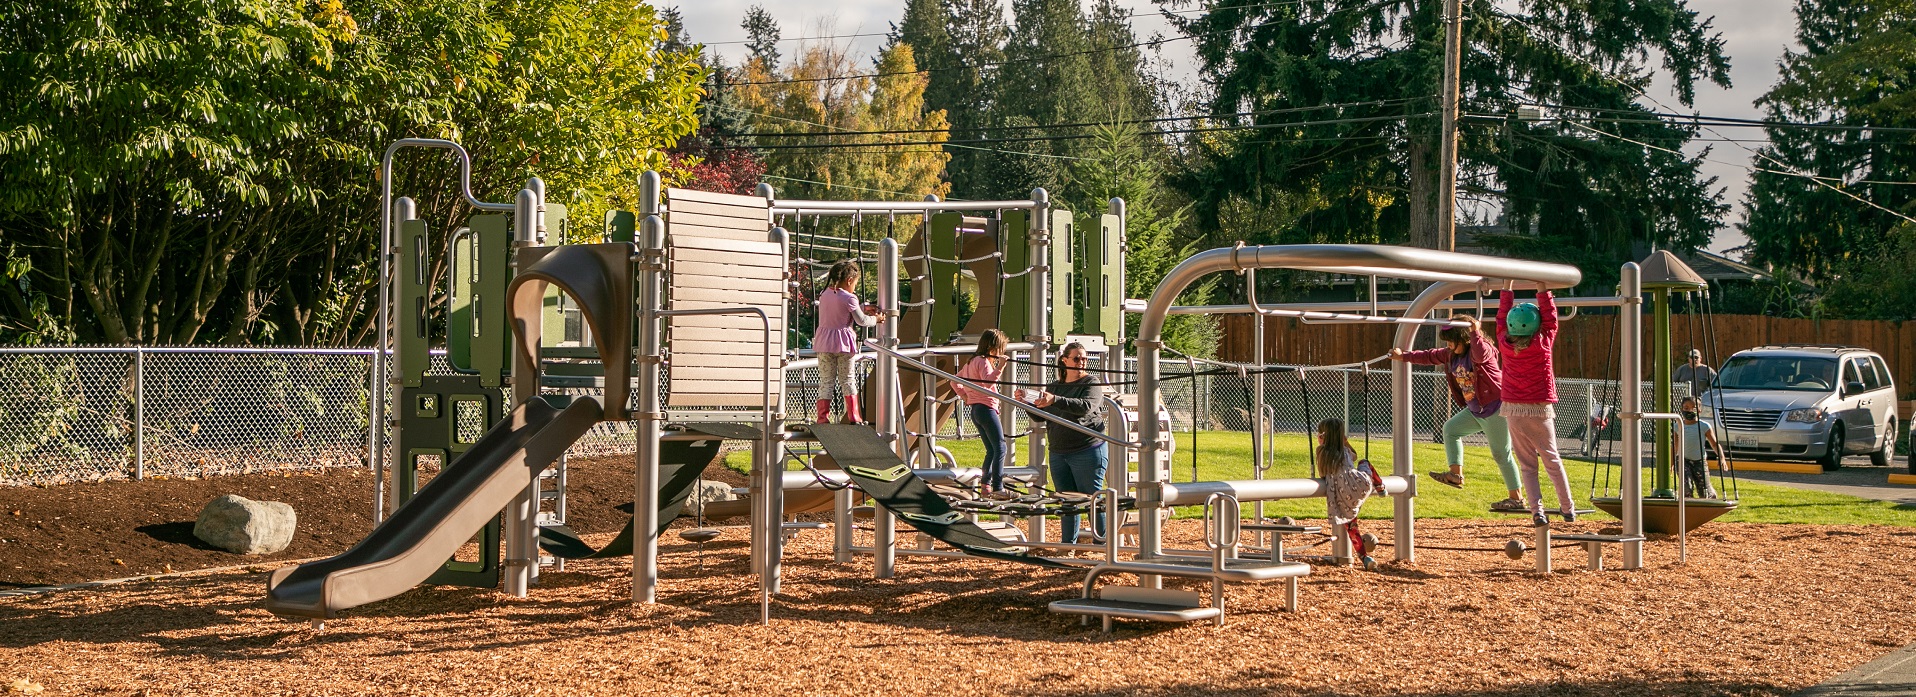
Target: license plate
[{"x": 1743, "y": 442}]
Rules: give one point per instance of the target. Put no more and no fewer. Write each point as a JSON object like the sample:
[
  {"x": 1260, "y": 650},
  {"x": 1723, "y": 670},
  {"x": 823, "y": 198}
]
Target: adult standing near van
[{"x": 1695, "y": 372}]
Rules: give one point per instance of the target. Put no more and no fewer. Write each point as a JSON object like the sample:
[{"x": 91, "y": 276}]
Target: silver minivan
[{"x": 1808, "y": 402}]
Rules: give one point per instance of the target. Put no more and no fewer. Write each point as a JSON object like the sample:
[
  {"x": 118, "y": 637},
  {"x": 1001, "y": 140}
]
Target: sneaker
[
  {"x": 1511, "y": 505},
  {"x": 1539, "y": 520},
  {"x": 1710, "y": 494},
  {"x": 1369, "y": 563},
  {"x": 1570, "y": 515}
]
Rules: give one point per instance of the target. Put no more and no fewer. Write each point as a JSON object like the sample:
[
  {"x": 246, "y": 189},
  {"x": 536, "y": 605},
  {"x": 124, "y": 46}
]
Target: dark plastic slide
[{"x": 419, "y": 537}]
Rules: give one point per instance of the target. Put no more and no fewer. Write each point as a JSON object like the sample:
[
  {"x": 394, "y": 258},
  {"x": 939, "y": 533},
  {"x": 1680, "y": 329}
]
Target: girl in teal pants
[{"x": 1476, "y": 385}]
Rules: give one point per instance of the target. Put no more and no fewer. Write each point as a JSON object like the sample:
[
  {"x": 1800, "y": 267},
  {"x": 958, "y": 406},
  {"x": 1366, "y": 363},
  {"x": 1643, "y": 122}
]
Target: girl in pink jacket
[{"x": 1526, "y": 336}]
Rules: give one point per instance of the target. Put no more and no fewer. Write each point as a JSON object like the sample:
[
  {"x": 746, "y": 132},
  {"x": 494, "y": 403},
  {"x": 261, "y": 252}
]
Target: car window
[
  {"x": 1868, "y": 371},
  {"x": 1853, "y": 373},
  {"x": 1883, "y": 378},
  {"x": 1760, "y": 372}
]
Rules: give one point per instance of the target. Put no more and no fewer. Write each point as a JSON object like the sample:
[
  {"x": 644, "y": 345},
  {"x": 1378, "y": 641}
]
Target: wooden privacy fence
[{"x": 1586, "y": 344}]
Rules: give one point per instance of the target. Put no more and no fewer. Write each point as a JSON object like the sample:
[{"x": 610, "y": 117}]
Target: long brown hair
[
  {"x": 1330, "y": 455},
  {"x": 991, "y": 343}
]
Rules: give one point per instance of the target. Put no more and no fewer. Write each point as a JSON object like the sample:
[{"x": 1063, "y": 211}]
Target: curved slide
[{"x": 419, "y": 537}]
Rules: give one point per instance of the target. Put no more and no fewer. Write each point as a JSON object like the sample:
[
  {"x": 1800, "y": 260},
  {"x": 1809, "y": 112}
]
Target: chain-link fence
[
  {"x": 1296, "y": 398},
  {"x": 85, "y": 414},
  {"x": 88, "y": 414}
]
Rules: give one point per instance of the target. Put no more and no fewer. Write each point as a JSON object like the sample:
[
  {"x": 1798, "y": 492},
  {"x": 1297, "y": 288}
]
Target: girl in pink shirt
[
  {"x": 835, "y": 342},
  {"x": 986, "y": 366}
]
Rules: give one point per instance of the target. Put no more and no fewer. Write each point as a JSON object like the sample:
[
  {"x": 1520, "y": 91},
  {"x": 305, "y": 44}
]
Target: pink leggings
[{"x": 1533, "y": 439}]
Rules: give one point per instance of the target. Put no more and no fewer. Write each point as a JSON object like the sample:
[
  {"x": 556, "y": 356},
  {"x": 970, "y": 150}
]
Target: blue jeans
[
  {"x": 993, "y": 434},
  {"x": 1081, "y": 471}
]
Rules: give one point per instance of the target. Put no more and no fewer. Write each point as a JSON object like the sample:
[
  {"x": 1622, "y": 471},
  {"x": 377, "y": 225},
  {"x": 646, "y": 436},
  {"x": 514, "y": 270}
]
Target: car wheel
[
  {"x": 1880, "y": 458},
  {"x": 1833, "y": 458}
]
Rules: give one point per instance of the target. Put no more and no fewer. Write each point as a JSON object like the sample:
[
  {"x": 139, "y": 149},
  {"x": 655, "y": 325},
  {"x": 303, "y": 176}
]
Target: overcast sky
[{"x": 1756, "y": 33}]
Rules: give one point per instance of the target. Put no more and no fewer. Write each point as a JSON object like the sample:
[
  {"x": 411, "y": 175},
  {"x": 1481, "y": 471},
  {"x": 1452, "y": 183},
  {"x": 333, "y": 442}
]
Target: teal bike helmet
[{"x": 1522, "y": 320}]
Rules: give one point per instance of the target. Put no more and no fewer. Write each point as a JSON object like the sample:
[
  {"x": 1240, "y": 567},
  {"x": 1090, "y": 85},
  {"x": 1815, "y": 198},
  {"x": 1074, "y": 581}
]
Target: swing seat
[{"x": 699, "y": 535}]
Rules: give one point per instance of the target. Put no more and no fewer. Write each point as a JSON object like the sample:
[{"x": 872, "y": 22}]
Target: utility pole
[{"x": 1447, "y": 140}]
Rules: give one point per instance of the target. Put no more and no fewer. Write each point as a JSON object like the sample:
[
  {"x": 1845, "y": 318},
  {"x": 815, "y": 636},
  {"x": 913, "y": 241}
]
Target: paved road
[
  {"x": 1894, "y": 674},
  {"x": 1857, "y": 478}
]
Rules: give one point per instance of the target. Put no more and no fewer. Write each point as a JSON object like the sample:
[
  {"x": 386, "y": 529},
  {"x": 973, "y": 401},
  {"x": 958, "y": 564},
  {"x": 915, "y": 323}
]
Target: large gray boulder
[
  {"x": 705, "y": 492},
  {"x": 244, "y": 526}
]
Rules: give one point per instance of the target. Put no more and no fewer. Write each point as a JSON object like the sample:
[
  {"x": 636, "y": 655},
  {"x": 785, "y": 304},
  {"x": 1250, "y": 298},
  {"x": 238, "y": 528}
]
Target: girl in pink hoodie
[
  {"x": 1526, "y": 336},
  {"x": 986, "y": 366}
]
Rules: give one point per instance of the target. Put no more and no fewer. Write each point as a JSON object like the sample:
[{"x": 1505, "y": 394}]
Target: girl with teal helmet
[
  {"x": 1526, "y": 338},
  {"x": 1523, "y": 320}
]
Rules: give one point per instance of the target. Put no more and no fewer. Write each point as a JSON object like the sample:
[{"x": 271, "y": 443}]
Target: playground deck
[{"x": 1759, "y": 610}]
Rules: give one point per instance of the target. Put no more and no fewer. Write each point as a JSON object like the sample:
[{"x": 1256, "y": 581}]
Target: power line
[
  {"x": 1753, "y": 168},
  {"x": 1082, "y": 136},
  {"x": 847, "y": 131},
  {"x": 1702, "y": 120},
  {"x": 1086, "y": 124},
  {"x": 880, "y": 149},
  {"x": 839, "y": 186}
]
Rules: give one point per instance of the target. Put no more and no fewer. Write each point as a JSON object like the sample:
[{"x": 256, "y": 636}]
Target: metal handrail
[
  {"x": 1677, "y": 475},
  {"x": 1021, "y": 406},
  {"x": 849, "y": 208}
]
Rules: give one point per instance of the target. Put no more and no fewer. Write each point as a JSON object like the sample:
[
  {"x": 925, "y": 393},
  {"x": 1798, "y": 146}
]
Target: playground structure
[{"x": 683, "y": 312}]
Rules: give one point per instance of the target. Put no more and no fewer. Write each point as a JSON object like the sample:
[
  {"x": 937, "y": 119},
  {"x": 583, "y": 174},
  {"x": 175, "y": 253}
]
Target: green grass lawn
[{"x": 1227, "y": 455}]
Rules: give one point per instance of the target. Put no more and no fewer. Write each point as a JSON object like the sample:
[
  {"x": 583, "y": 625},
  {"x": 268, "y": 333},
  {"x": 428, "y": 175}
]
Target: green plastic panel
[
  {"x": 459, "y": 303},
  {"x": 1101, "y": 307},
  {"x": 490, "y": 332},
  {"x": 943, "y": 244},
  {"x": 1063, "y": 237},
  {"x": 1015, "y": 305},
  {"x": 553, "y": 329},
  {"x": 621, "y": 226},
  {"x": 429, "y": 426},
  {"x": 558, "y": 226},
  {"x": 413, "y": 328},
  {"x": 552, "y": 326}
]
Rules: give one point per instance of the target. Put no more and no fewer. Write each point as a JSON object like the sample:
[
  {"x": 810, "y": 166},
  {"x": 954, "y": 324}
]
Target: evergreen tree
[
  {"x": 1339, "y": 97},
  {"x": 761, "y": 38},
  {"x": 1854, "y": 69},
  {"x": 964, "y": 86},
  {"x": 674, "y": 26},
  {"x": 1126, "y": 162}
]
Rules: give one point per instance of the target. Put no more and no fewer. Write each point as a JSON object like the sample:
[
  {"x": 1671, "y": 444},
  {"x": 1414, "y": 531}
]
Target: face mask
[{"x": 1689, "y": 416}]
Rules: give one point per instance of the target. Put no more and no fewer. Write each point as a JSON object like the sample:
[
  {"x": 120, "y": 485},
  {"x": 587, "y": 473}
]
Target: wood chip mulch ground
[
  {"x": 1758, "y": 610},
  {"x": 74, "y": 533}
]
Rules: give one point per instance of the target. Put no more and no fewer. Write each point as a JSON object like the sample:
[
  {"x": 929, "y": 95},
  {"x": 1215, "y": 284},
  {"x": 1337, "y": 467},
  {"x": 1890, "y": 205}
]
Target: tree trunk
[{"x": 1423, "y": 192}]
